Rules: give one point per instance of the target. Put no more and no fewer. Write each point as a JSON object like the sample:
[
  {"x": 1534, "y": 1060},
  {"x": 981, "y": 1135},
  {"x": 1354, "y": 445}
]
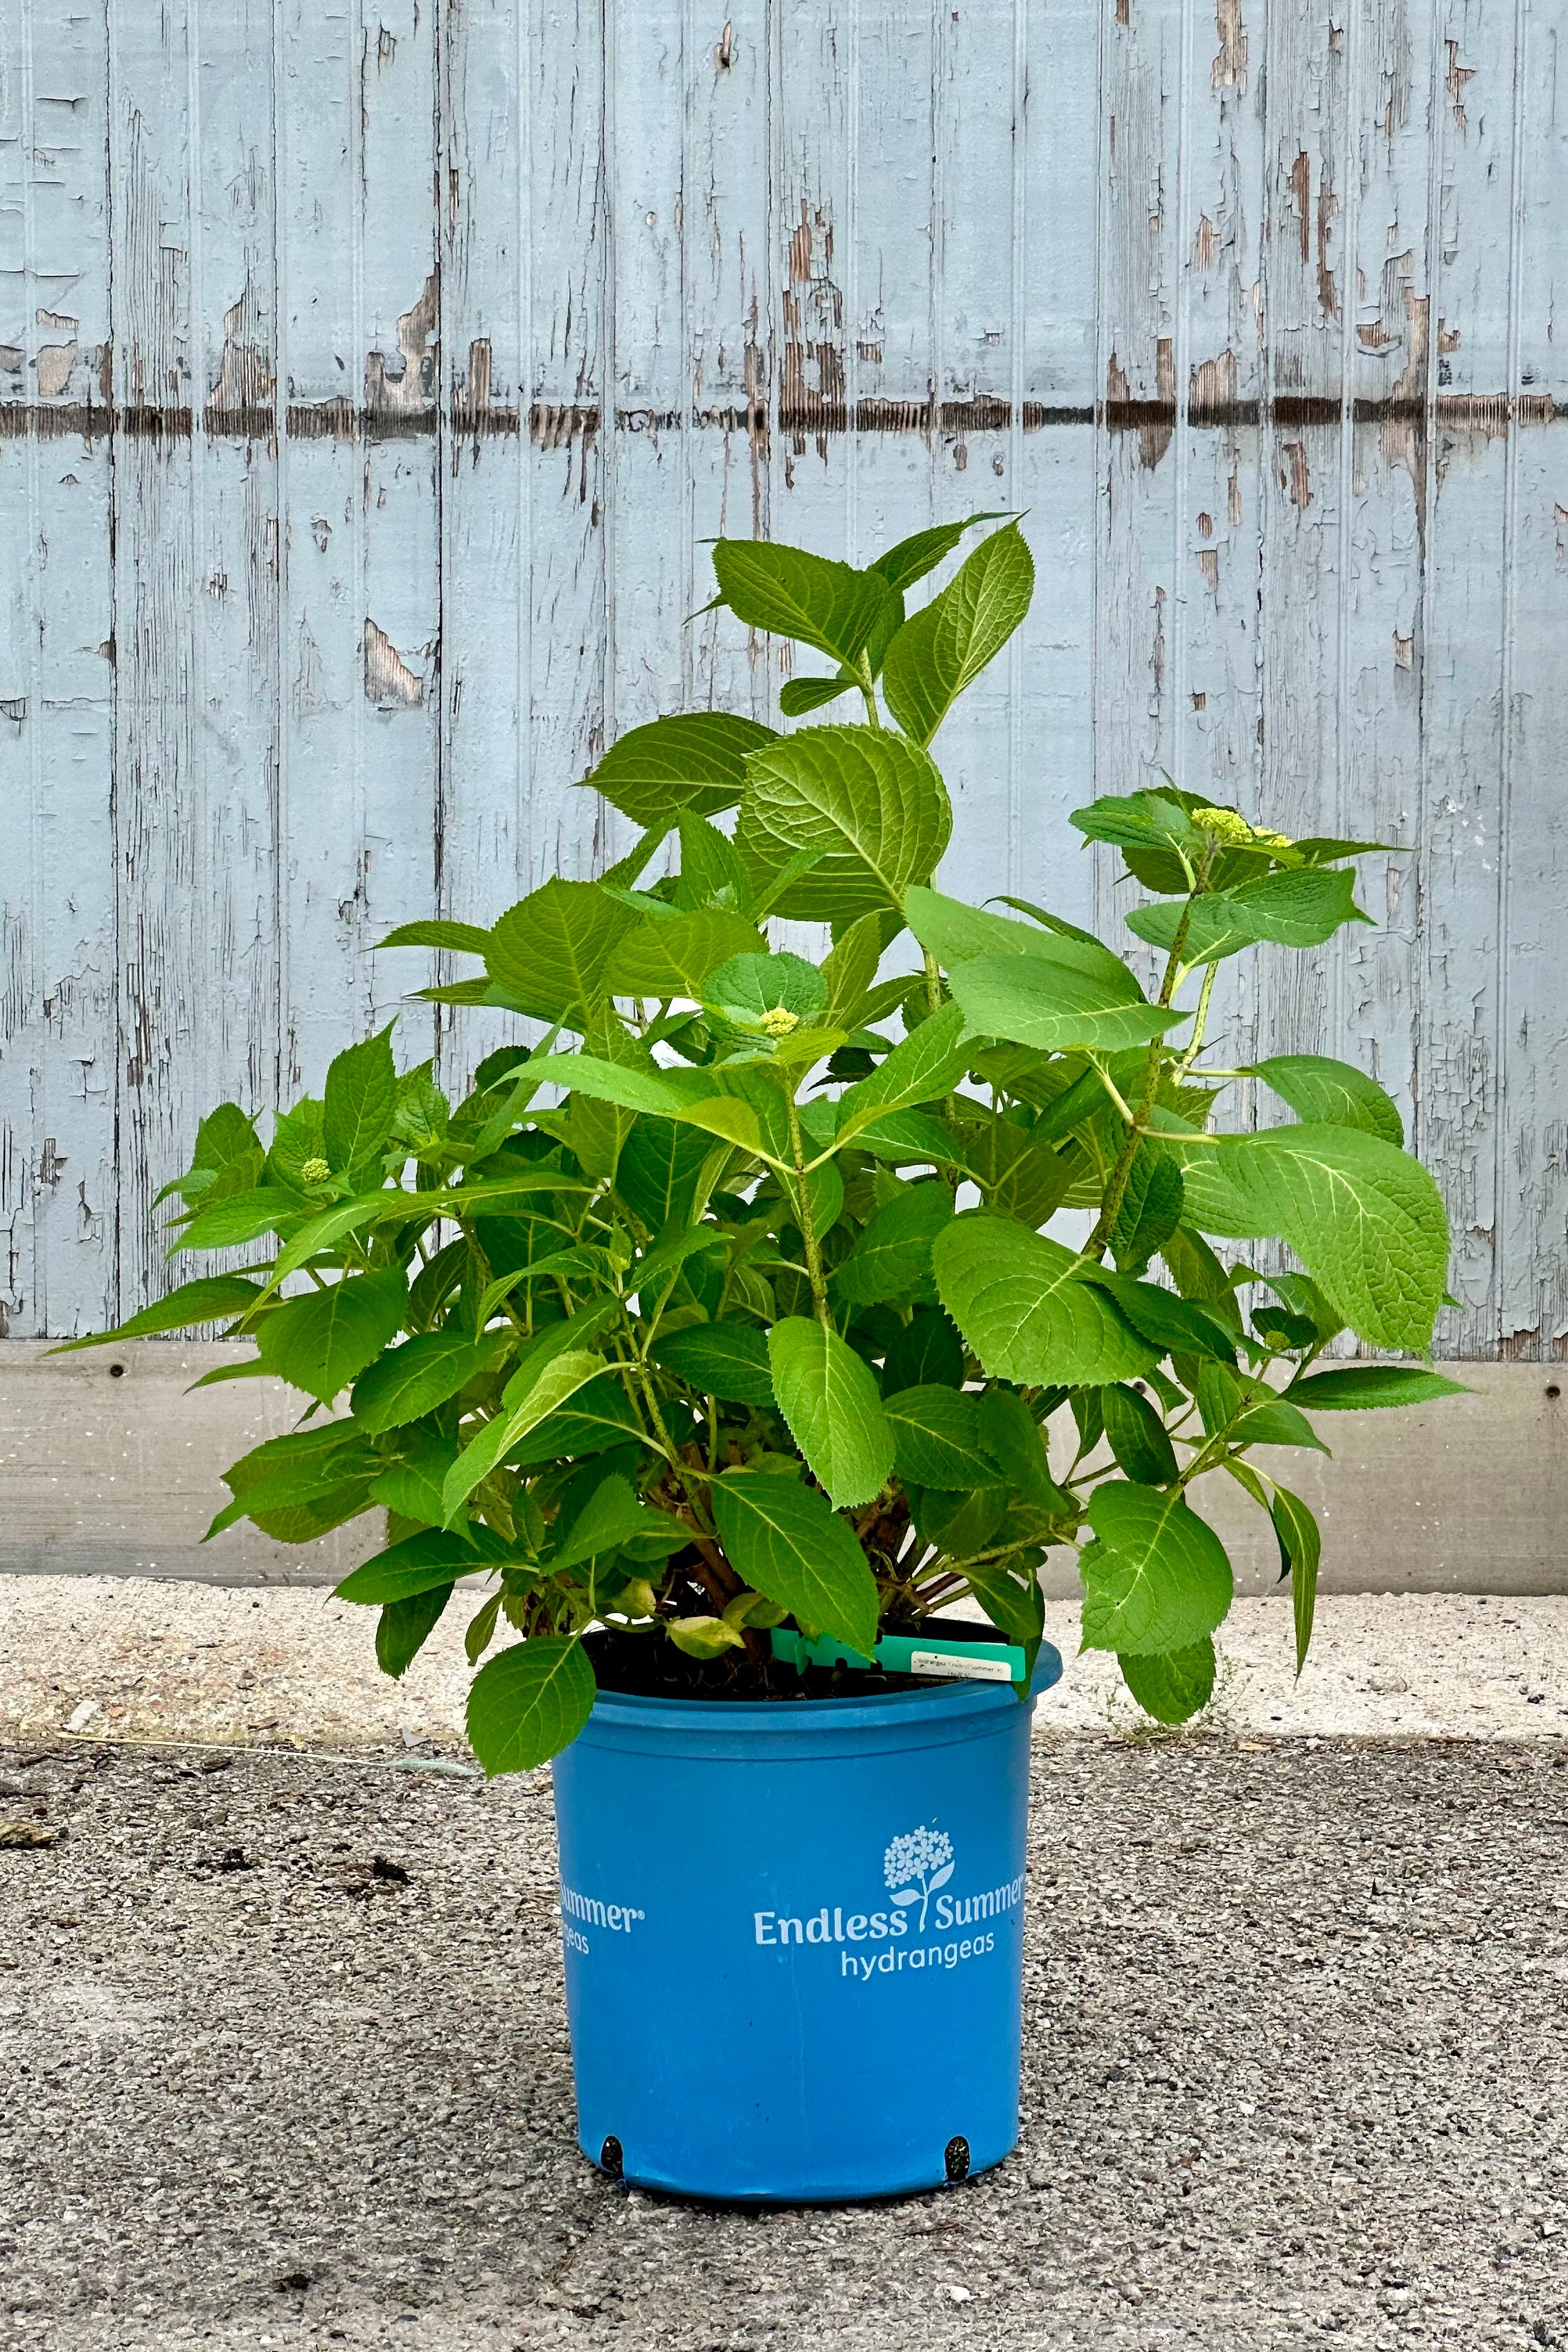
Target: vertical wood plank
[
  {"x": 1464, "y": 676},
  {"x": 571, "y": 626},
  {"x": 727, "y": 210},
  {"x": 57, "y": 685},
  {"x": 1139, "y": 210},
  {"x": 983, "y": 108},
  {"x": 1535, "y": 1206},
  {"x": 1056, "y": 383},
  {"x": 486, "y": 466}
]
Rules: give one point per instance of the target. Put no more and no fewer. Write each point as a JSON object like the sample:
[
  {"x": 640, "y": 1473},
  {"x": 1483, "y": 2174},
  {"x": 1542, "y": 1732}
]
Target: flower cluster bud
[{"x": 1231, "y": 831}]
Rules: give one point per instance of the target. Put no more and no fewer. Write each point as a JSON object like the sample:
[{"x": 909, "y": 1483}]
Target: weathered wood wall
[{"x": 371, "y": 375}]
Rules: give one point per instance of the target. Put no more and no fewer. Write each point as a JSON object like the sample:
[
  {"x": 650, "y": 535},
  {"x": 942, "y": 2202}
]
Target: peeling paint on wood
[{"x": 369, "y": 381}]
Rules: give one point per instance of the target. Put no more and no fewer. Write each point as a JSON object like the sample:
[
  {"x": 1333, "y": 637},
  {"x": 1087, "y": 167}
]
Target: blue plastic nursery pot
[{"x": 793, "y": 1938}]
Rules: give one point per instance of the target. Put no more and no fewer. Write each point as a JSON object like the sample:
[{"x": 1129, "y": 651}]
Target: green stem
[
  {"x": 807, "y": 1220},
  {"x": 873, "y": 716},
  {"x": 1200, "y": 1023},
  {"x": 1116, "y": 1188}
]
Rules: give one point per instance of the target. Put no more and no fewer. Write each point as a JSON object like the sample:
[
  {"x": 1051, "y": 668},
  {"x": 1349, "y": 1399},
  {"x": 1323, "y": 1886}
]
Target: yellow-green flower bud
[
  {"x": 316, "y": 1171},
  {"x": 1223, "y": 825},
  {"x": 781, "y": 1021},
  {"x": 1233, "y": 832}
]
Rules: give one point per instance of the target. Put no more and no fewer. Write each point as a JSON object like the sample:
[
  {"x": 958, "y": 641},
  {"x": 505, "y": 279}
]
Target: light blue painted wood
[
  {"x": 59, "y": 1051},
  {"x": 442, "y": 337}
]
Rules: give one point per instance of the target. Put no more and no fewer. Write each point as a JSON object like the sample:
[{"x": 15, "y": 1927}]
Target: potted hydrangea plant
[{"x": 717, "y": 1344}]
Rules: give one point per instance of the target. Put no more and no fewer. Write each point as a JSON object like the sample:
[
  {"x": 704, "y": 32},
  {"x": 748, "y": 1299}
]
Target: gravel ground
[
  {"x": 1295, "y": 2072},
  {"x": 120, "y": 1658}
]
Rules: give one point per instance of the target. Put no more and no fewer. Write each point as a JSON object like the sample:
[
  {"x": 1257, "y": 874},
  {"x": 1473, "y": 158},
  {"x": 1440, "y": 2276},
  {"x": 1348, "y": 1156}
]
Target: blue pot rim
[{"x": 947, "y": 1711}]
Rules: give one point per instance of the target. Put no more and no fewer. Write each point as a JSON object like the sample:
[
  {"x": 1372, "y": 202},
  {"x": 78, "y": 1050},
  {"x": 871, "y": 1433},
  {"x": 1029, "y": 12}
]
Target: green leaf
[
  {"x": 891, "y": 1260},
  {"x": 1360, "y": 1387},
  {"x": 913, "y": 558},
  {"x": 1365, "y": 1220},
  {"x": 937, "y": 1439},
  {"x": 958, "y": 934},
  {"x": 1138, "y": 1438},
  {"x": 908, "y": 1139},
  {"x": 413, "y": 1380},
  {"x": 299, "y": 1502},
  {"x": 552, "y": 951},
  {"x": 923, "y": 1065},
  {"x": 851, "y": 968},
  {"x": 677, "y": 955},
  {"x": 227, "y": 1158},
  {"x": 456, "y": 939},
  {"x": 703, "y": 1637},
  {"x": 212, "y": 1300},
  {"x": 1296, "y": 910},
  {"x": 834, "y": 1409},
  {"x": 1150, "y": 1208},
  {"x": 410, "y": 1484},
  {"x": 799, "y": 695},
  {"x": 660, "y": 1169},
  {"x": 360, "y": 1104},
  {"x": 1334, "y": 1093},
  {"x": 947, "y": 645},
  {"x": 1173, "y": 1687},
  {"x": 686, "y": 1095},
  {"x": 406, "y": 1626},
  {"x": 1156, "y": 1578},
  {"x": 1014, "y": 1604},
  {"x": 959, "y": 1524},
  {"x": 711, "y": 874},
  {"x": 1302, "y": 1297},
  {"x": 481, "y": 1631},
  {"x": 1172, "y": 1326},
  {"x": 870, "y": 807},
  {"x": 323, "y": 1342},
  {"x": 1319, "y": 849},
  {"x": 927, "y": 1351},
  {"x": 1198, "y": 1273},
  {"x": 1018, "y": 1300},
  {"x": 611, "y": 1517},
  {"x": 1016, "y": 1443},
  {"x": 558, "y": 1340},
  {"x": 728, "y": 1360},
  {"x": 695, "y": 759},
  {"x": 529, "y": 1702},
  {"x": 599, "y": 1416},
  {"x": 786, "y": 1541},
  {"x": 241, "y": 1217},
  {"x": 1053, "y": 1004},
  {"x": 1020, "y": 1178},
  {"x": 556, "y": 1379},
  {"x": 1150, "y": 820},
  {"x": 1276, "y": 1421},
  {"x": 1300, "y": 1552},
  {"x": 751, "y": 986},
  {"x": 420, "y": 1563},
  {"x": 328, "y": 1225},
  {"x": 793, "y": 594}
]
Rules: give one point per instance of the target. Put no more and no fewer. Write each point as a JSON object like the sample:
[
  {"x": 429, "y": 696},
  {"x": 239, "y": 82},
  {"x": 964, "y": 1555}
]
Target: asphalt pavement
[{"x": 286, "y": 2064}]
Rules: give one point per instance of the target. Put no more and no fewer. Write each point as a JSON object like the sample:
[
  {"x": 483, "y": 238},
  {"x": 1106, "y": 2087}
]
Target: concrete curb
[{"x": 101, "y": 1657}]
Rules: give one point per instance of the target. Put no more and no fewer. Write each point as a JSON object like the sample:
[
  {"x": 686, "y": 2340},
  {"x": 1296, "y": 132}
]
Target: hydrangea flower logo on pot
[{"x": 924, "y": 1855}]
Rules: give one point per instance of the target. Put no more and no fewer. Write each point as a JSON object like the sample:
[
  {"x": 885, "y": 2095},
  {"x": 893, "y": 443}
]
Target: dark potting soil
[{"x": 644, "y": 1665}]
